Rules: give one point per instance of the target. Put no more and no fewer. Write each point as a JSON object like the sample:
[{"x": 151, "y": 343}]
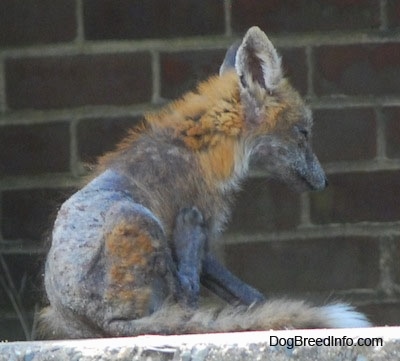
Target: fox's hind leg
[
  {"x": 188, "y": 249},
  {"x": 139, "y": 271}
]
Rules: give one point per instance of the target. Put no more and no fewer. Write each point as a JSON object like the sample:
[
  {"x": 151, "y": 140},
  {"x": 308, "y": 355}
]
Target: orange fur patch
[
  {"x": 285, "y": 110},
  {"x": 218, "y": 162},
  {"x": 128, "y": 248},
  {"x": 272, "y": 116},
  {"x": 140, "y": 297},
  {"x": 119, "y": 274},
  {"x": 200, "y": 118}
]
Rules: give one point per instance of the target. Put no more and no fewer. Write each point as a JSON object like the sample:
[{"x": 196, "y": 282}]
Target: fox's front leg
[
  {"x": 195, "y": 265},
  {"x": 218, "y": 279},
  {"x": 189, "y": 243}
]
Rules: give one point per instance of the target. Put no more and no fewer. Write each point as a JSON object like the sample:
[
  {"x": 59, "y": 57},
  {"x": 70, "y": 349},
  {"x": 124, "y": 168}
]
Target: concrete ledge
[{"x": 343, "y": 344}]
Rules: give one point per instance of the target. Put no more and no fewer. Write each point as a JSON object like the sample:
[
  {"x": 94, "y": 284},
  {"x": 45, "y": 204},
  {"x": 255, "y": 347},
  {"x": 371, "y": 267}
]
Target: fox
[{"x": 131, "y": 250}]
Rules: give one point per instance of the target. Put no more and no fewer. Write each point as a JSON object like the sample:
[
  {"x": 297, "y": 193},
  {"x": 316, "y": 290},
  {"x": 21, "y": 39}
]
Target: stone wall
[
  {"x": 377, "y": 344},
  {"x": 75, "y": 74}
]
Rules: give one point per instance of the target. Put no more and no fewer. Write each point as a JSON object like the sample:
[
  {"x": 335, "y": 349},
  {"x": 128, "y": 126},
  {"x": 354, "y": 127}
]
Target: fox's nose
[{"x": 326, "y": 182}]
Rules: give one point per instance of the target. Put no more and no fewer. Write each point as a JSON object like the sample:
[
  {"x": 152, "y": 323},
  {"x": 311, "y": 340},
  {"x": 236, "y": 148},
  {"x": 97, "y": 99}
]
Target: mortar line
[
  {"x": 305, "y": 216},
  {"x": 74, "y": 160},
  {"x": 383, "y": 15},
  {"x": 3, "y": 102},
  {"x": 380, "y": 134},
  {"x": 196, "y": 43},
  {"x": 310, "y": 72},
  {"x": 80, "y": 30},
  {"x": 228, "y": 17},
  {"x": 373, "y": 230},
  {"x": 336, "y": 101},
  {"x": 53, "y": 180},
  {"x": 156, "y": 75},
  {"x": 1, "y": 214},
  {"x": 26, "y": 117}
]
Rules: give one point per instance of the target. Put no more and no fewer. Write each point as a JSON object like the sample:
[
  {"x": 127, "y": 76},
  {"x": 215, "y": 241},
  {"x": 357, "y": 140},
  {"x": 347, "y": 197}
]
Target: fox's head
[{"x": 278, "y": 123}]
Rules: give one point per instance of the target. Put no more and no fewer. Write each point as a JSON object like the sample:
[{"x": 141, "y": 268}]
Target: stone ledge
[{"x": 223, "y": 346}]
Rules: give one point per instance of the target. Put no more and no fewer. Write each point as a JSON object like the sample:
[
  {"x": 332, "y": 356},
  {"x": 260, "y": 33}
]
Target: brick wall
[{"x": 75, "y": 74}]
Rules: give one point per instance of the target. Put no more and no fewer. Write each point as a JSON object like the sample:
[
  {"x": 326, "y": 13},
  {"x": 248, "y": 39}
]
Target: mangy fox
[{"x": 131, "y": 248}]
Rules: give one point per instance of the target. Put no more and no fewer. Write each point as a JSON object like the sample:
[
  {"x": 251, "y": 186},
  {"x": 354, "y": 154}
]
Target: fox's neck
[
  {"x": 210, "y": 123},
  {"x": 225, "y": 164}
]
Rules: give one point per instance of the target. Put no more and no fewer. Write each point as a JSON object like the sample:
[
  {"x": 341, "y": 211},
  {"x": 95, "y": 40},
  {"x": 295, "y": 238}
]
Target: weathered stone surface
[{"x": 224, "y": 346}]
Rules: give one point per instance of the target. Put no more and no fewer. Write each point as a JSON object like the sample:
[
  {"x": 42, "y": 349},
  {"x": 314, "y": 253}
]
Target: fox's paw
[
  {"x": 189, "y": 229},
  {"x": 190, "y": 217}
]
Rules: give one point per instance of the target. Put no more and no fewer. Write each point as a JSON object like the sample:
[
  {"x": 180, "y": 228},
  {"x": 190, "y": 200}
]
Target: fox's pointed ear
[
  {"x": 258, "y": 63},
  {"x": 230, "y": 58}
]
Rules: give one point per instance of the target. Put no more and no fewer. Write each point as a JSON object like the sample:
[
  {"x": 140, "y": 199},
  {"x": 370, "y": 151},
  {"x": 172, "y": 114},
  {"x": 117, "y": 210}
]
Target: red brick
[
  {"x": 295, "y": 68},
  {"x": 392, "y": 130},
  {"x": 265, "y": 205},
  {"x": 20, "y": 267},
  {"x": 383, "y": 314},
  {"x": 58, "y": 82},
  {"x": 305, "y": 15},
  {"x": 312, "y": 265},
  {"x": 28, "y": 214},
  {"x": 97, "y": 136},
  {"x": 344, "y": 134},
  {"x": 26, "y": 273},
  {"x": 34, "y": 149},
  {"x": 393, "y": 14},
  {"x": 180, "y": 72},
  {"x": 10, "y": 327},
  {"x": 25, "y": 22},
  {"x": 356, "y": 197},
  {"x": 126, "y": 19},
  {"x": 357, "y": 69}
]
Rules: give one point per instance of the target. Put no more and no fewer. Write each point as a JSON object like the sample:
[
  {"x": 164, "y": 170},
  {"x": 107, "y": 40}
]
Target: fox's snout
[
  {"x": 310, "y": 170},
  {"x": 295, "y": 164}
]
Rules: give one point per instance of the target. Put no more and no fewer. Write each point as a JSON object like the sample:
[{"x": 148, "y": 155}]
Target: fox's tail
[
  {"x": 173, "y": 319},
  {"x": 271, "y": 315}
]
